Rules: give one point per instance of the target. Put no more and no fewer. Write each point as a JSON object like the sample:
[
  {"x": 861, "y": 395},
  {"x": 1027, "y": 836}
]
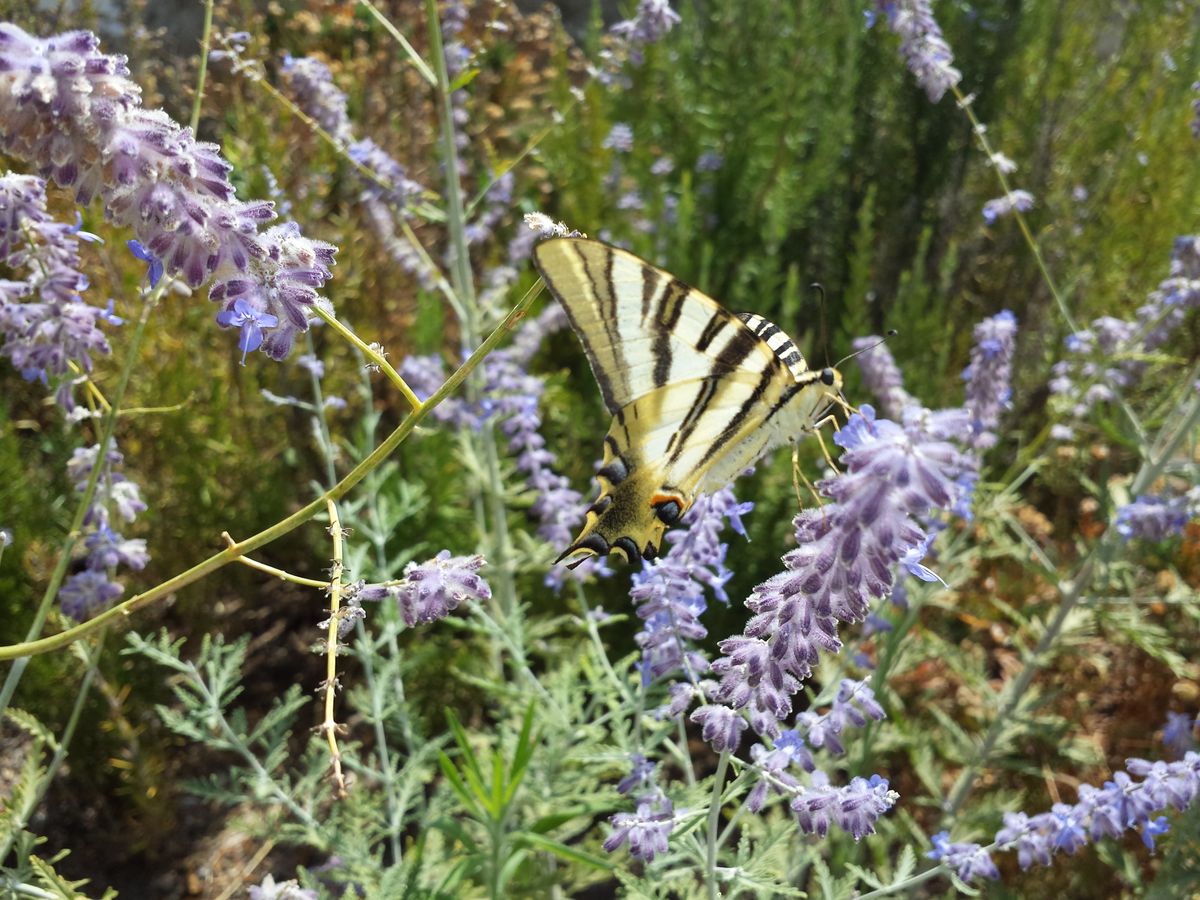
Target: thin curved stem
[{"x": 304, "y": 514}]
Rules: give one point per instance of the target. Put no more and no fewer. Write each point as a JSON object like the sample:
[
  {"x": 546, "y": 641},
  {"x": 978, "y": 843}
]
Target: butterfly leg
[
  {"x": 799, "y": 476},
  {"x": 816, "y": 429}
]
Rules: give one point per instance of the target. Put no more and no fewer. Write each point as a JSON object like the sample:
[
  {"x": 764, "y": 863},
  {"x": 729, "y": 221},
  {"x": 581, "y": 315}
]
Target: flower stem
[
  {"x": 714, "y": 822},
  {"x": 329, "y": 726},
  {"x": 372, "y": 354},
  {"x": 205, "y": 37},
  {"x": 464, "y": 288}
]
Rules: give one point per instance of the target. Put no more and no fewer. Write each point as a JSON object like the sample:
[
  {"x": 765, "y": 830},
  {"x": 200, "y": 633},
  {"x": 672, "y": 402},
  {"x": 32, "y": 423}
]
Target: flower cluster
[
  {"x": 74, "y": 112},
  {"x": 430, "y": 590},
  {"x": 847, "y": 553},
  {"x": 1014, "y": 201},
  {"x": 670, "y": 592},
  {"x": 989, "y": 376},
  {"x": 645, "y": 831},
  {"x": 853, "y": 705},
  {"x": 1105, "y": 359},
  {"x": 970, "y": 861},
  {"x": 44, "y": 323},
  {"x": 116, "y": 499},
  {"x": 854, "y": 807},
  {"x": 385, "y": 188},
  {"x": 652, "y": 22},
  {"x": 1121, "y": 804},
  {"x": 925, "y": 51},
  {"x": 1155, "y": 518}
]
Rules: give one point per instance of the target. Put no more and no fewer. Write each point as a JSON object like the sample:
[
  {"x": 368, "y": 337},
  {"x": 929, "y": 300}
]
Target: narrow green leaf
[{"x": 563, "y": 851}]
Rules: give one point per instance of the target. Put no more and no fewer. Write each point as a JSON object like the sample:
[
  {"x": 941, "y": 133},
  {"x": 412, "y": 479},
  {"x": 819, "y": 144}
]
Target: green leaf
[
  {"x": 571, "y": 854},
  {"x": 469, "y": 802}
]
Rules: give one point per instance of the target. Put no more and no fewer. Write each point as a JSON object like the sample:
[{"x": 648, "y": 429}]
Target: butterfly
[{"x": 697, "y": 393}]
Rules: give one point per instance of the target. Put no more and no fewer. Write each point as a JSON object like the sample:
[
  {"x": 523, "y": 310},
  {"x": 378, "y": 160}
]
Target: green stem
[
  {"x": 85, "y": 503},
  {"x": 464, "y": 287},
  {"x": 375, "y": 356},
  {"x": 230, "y": 554},
  {"x": 714, "y": 821},
  {"x": 414, "y": 57},
  {"x": 205, "y": 37},
  {"x": 322, "y": 420}
]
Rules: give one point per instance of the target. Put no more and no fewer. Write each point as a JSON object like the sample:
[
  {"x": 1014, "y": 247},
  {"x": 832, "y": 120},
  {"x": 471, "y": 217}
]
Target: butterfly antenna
[{"x": 883, "y": 340}]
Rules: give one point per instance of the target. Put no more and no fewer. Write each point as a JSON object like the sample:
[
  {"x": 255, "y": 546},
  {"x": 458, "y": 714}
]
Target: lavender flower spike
[
  {"x": 882, "y": 376},
  {"x": 924, "y": 49},
  {"x": 1153, "y": 518},
  {"x": 970, "y": 861},
  {"x": 431, "y": 590},
  {"x": 854, "y": 808},
  {"x": 74, "y": 111},
  {"x": 646, "y": 831},
  {"x": 45, "y": 325},
  {"x": 846, "y": 556},
  {"x": 989, "y": 376},
  {"x": 1021, "y": 201}
]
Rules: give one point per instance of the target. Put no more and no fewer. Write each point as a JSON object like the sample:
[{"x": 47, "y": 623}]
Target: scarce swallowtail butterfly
[{"x": 697, "y": 393}]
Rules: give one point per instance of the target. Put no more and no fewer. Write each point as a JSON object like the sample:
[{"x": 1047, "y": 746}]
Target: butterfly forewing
[
  {"x": 641, "y": 327},
  {"x": 697, "y": 394}
]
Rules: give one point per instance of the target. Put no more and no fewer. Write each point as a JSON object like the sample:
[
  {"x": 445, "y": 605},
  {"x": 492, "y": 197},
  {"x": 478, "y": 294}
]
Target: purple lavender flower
[
  {"x": 1018, "y": 200},
  {"x": 75, "y": 112},
  {"x": 270, "y": 889},
  {"x": 710, "y": 161},
  {"x": 154, "y": 270},
  {"x": 1178, "y": 733},
  {"x": 1153, "y": 518},
  {"x": 311, "y": 84},
  {"x": 641, "y": 774},
  {"x": 846, "y": 556},
  {"x": 773, "y": 766},
  {"x": 970, "y": 861},
  {"x": 646, "y": 831},
  {"x": 925, "y": 51},
  {"x": 44, "y": 323},
  {"x": 670, "y": 593},
  {"x": 86, "y": 593},
  {"x": 854, "y": 704},
  {"x": 116, "y": 498},
  {"x": 854, "y": 808},
  {"x": 989, "y": 376},
  {"x": 431, "y": 590},
  {"x": 721, "y": 726},
  {"x": 620, "y": 138},
  {"x": 1122, "y": 804},
  {"x": 650, "y": 24},
  {"x": 250, "y": 323},
  {"x": 881, "y": 375}
]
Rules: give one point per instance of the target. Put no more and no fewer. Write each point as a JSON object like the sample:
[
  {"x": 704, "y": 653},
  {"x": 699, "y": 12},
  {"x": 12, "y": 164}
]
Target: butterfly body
[{"x": 697, "y": 393}]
